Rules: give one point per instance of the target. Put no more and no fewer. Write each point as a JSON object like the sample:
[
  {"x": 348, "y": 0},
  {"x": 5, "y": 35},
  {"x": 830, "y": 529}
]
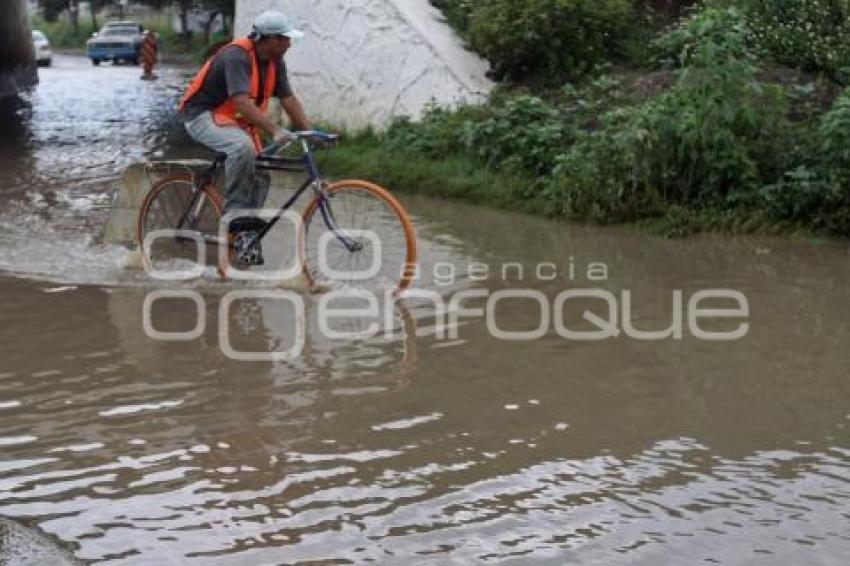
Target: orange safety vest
[{"x": 226, "y": 114}]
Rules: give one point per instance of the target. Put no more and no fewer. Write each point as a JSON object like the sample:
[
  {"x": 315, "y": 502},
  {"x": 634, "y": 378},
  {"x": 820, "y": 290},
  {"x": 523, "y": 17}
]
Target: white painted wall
[{"x": 362, "y": 62}]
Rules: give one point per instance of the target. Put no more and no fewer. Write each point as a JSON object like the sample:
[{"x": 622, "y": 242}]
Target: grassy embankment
[
  {"x": 731, "y": 118},
  {"x": 366, "y": 155}
]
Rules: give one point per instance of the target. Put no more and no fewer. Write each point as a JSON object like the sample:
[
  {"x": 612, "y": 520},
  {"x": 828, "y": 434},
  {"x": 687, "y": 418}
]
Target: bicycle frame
[{"x": 306, "y": 163}]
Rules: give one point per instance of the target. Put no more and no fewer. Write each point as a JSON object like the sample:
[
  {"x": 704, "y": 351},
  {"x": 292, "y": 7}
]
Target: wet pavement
[{"x": 409, "y": 446}]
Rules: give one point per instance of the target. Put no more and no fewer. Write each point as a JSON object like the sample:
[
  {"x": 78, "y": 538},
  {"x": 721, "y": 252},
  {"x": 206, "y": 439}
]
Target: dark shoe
[
  {"x": 245, "y": 239},
  {"x": 249, "y": 250}
]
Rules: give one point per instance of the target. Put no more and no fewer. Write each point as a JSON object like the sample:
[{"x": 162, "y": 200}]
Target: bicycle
[{"x": 183, "y": 208}]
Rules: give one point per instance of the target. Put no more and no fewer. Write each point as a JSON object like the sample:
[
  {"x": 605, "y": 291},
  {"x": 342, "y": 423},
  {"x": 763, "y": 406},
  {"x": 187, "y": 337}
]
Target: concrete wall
[
  {"x": 362, "y": 62},
  {"x": 17, "y": 62}
]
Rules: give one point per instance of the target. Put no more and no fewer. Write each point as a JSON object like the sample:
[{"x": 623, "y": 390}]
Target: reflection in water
[
  {"x": 264, "y": 326},
  {"x": 417, "y": 448},
  {"x": 239, "y": 418},
  {"x": 62, "y": 151},
  {"x": 16, "y": 113}
]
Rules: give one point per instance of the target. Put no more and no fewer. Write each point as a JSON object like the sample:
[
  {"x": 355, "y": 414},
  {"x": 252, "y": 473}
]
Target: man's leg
[
  {"x": 243, "y": 188},
  {"x": 262, "y": 182},
  {"x": 239, "y": 168}
]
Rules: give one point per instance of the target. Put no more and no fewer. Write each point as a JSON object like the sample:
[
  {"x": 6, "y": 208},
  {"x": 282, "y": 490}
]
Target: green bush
[
  {"x": 834, "y": 136},
  {"x": 549, "y": 40},
  {"x": 816, "y": 193},
  {"x": 801, "y": 195},
  {"x": 717, "y": 134},
  {"x": 811, "y": 34},
  {"x": 457, "y": 13},
  {"x": 726, "y": 29},
  {"x": 62, "y": 34},
  {"x": 523, "y": 133},
  {"x": 514, "y": 131},
  {"x": 719, "y": 148},
  {"x": 595, "y": 178},
  {"x": 660, "y": 12},
  {"x": 713, "y": 139},
  {"x": 438, "y": 134},
  {"x": 819, "y": 189}
]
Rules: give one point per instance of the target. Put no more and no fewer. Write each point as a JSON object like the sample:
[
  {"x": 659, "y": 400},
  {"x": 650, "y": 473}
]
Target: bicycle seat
[
  {"x": 215, "y": 156},
  {"x": 199, "y": 151}
]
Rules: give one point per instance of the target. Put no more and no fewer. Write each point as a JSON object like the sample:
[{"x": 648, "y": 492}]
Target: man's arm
[
  {"x": 249, "y": 111},
  {"x": 292, "y": 106}
]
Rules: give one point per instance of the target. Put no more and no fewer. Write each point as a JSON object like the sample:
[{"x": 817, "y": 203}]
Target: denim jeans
[{"x": 246, "y": 188}]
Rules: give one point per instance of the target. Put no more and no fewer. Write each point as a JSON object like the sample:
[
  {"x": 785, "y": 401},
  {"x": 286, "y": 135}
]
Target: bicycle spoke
[
  {"x": 167, "y": 207},
  {"x": 360, "y": 214}
]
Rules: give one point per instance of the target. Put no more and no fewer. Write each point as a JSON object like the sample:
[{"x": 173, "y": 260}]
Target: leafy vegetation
[
  {"x": 549, "y": 40},
  {"x": 733, "y": 120},
  {"x": 458, "y": 13},
  {"x": 808, "y": 33},
  {"x": 62, "y": 34}
]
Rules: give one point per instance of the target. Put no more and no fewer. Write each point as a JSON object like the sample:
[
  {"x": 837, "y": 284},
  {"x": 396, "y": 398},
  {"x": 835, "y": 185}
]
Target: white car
[{"x": 41, "y": 45}]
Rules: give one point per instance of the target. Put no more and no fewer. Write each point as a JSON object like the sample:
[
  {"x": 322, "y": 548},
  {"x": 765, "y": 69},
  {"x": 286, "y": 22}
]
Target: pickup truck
[{"x": 117, "y": 41}]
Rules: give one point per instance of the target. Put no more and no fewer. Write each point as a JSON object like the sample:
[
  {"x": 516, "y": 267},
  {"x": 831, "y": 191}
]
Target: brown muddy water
[{"x": 409, "y": 447}]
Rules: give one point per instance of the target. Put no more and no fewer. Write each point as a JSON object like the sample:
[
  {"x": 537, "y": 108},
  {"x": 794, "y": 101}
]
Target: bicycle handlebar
[
  {"x": 324, "y": 136},
  {"x": 273, "y": 147}
]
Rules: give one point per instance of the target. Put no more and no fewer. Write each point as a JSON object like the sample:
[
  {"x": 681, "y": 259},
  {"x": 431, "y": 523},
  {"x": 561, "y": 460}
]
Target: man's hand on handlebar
[{"x": 282, "y": 136}]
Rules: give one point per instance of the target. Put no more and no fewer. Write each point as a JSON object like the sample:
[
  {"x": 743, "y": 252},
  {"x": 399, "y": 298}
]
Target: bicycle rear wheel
[
  {"x": 173, "y": 205},
  {"x": 384, "y": 255}
]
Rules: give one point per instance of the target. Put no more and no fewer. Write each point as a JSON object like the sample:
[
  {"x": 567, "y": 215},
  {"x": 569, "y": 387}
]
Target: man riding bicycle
[{"x": 225, "y": 108}]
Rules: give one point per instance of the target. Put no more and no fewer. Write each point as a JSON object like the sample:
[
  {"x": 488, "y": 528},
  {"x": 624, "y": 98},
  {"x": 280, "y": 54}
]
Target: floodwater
[{"x": 413, "y": 446}]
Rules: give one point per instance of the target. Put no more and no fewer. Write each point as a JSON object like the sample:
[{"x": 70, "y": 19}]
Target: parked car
[
  {"x": 41, "y": 46},
  {"x": 117, "y": 41}
]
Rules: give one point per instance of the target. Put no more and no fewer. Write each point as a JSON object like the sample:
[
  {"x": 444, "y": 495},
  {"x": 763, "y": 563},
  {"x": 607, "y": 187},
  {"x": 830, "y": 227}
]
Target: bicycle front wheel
[
  {"x": 175, "y": 220},
  {"x": 359, "y": 236}
]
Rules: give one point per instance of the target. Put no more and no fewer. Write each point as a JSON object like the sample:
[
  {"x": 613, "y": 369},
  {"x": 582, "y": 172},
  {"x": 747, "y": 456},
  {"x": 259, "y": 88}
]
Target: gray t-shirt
[{"x": 229, "y": 75}]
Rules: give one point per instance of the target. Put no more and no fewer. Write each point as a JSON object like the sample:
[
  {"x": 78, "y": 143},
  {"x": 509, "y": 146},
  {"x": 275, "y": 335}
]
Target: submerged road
[{"x": 409, "y": 447}]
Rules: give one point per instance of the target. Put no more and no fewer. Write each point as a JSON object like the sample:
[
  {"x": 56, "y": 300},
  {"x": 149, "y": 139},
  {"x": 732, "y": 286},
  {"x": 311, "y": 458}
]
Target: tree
[
  {"x": 94, "y": 7},
  {"x": 51, "y": 9},
  {"x": 74, "y": 13},
  {"x": 215, "y": 8},
  {"x": 184, "y": 6},
  {"x": 227, "y": 8}
]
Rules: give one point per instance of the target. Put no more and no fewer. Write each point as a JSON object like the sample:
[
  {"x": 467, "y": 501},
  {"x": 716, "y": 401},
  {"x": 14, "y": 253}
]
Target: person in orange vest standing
[
  {"x": 150, "y": 51},
  {"x": 225, "y": 107}
]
